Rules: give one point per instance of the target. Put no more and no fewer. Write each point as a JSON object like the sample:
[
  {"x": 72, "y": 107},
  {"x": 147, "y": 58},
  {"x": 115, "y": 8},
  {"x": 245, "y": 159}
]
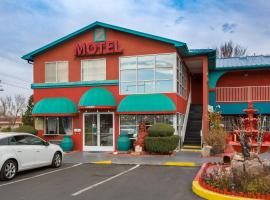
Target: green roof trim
[
  {"x": 146, "y": 103},
  {"x": 182, "y": 47},
  {"x": 74, "y": 84},
  {"x": 97, "y": 97},
  {"x": 210, "y": 53},
  {"x": 57, "y": 106},
  {"x": 242, "y": 67}
]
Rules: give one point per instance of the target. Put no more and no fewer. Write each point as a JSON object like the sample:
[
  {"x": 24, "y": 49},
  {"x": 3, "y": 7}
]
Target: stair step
[{"x": 191, "y": 146}]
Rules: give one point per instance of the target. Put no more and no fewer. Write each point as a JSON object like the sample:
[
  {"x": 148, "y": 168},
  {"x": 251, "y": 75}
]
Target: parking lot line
[
  {"x": 39, "y": 175},
  {"x": 104, "y": 181}
]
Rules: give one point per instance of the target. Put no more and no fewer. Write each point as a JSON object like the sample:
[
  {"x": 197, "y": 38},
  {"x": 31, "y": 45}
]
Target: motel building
[{"x": 103, "y": 80}]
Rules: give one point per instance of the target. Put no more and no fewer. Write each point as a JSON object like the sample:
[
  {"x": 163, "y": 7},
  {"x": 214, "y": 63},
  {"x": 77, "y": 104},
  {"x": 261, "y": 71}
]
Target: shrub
[
  {"x": 160, "y": 130},
  {"x": 26, "y": 129},
  {"x": 161, "y": 145},
  {"x": 217, "y": 135},
  {"x": 7, "y": 129}
]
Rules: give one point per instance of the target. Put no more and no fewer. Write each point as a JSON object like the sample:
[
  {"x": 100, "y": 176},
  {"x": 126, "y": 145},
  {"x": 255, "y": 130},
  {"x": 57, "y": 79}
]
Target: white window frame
[
  {"x": 45, "y": 128},
  {"x": 93, "y": 60},
  {"x": 154, "y": 92},
  {"x": 56, "y": 71},
  {"x": 182, "y": 76}
]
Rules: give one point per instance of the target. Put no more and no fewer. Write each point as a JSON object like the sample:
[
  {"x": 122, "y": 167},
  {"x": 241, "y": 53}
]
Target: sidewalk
[{"x": 180, "y": 158}]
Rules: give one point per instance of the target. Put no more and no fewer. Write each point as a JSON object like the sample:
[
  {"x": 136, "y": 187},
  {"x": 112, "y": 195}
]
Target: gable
[{"x": 181, "y": 47}]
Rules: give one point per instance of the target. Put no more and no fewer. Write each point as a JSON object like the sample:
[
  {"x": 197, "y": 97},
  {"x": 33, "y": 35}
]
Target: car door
[
  {"x": 24, "y": 152},
  {"x": 42, "y": 153}
]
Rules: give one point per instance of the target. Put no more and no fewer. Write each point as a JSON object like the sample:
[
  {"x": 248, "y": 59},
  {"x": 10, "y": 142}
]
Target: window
[
  {"x": 93, "y": 70},
  {"x": 4, "y": 141},
  {"x": 129, "y": 123},
  {"x": 99, "y": 35},
  {"x": 56, "y": 72},
  {"x": 147, "y": 74},
  {"x": 180, "y": 122},
  {"x": 58, "y": 125},
  {"x": 27, "y": 140},
  {"x": 181, "y": 78}
]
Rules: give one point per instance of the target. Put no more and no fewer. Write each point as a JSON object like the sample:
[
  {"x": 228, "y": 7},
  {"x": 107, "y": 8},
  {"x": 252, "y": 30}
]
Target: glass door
[
  {"x": 98, "y": 132},
  {"x": 90, "y": 130}
]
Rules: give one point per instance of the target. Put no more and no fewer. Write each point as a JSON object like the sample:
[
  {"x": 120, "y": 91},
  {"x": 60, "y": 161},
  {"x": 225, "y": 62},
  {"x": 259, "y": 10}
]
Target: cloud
[
  {"x": 229, "y": 28},
  {"x": 28, "y": 25}
]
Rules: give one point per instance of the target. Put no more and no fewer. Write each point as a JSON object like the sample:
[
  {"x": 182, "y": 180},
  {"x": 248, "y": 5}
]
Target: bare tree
[
  {"x": 18, "y": 107},
  {"x": 12, "y": 108},
  {"x": 229, "y": 49},
  {"x": 6, "y": 104}
]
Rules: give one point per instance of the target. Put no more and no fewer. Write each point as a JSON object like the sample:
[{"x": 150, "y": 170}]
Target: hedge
[
  {"x": 26, "y": 129},
  {"x": 160, "y": 130},
  {"x": 163, "y": 145}
]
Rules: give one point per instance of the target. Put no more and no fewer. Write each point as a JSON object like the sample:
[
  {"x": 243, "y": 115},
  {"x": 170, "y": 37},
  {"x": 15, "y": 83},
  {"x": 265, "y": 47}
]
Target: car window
[
  {"x": 21, "y": 140},
  {"x": 4, "y": 141},
  {"x": 12, "y": 141},
  {"x": 31, "y": 140},
  {"x": 28, "y": 140}
]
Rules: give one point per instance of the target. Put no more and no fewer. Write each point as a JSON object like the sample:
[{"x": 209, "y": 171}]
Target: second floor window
[
  {"x": 56, "y": 72},
  {"x": 93, "y": 70},
  {"x": 147, "y": 74}
]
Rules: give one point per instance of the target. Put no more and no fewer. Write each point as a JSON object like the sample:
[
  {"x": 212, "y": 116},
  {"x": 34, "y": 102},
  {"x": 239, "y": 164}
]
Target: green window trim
[{"x": 74, "y": 84}]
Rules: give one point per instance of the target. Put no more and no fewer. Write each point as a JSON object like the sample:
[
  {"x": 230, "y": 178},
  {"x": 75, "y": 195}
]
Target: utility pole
[{"x": 1, "y": 89}]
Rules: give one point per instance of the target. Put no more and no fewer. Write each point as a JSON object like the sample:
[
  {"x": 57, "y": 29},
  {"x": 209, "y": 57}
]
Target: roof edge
[{"x": 30, "y": 56}]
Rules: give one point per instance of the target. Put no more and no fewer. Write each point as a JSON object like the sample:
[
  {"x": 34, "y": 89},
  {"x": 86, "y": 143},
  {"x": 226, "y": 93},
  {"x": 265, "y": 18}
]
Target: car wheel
[
  {"x": 9, "y": 170},
  {"x": 57, "y": 160}
]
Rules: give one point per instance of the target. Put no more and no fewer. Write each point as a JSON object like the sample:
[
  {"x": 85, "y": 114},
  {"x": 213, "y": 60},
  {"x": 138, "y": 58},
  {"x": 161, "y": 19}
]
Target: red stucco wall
[
  {"x": 131, "y": 45},
  {"x": 245, "y": 78}
]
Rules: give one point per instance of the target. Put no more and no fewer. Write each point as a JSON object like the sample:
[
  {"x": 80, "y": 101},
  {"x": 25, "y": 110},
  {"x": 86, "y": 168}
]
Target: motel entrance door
[{"x": 98, "y": 133}]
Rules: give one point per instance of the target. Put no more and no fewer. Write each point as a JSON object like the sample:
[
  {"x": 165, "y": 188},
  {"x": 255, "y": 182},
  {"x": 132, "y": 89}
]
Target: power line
[
  {"x": 17, "y": 86},
  {"x": 14, "y": 77},
  {"x": 1, "y": 89}
]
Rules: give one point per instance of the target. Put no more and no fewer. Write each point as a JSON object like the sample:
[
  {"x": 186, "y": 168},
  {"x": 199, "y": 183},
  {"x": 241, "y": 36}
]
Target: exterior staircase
[{"x": 194, "y": 125}]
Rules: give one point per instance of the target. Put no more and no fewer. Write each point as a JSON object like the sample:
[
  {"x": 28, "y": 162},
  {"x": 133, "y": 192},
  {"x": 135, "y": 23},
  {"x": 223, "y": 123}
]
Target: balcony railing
[{"x": 243, "y": 94}]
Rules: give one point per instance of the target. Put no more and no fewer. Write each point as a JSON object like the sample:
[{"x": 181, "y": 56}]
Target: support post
[{"x": 205, "y": 125}]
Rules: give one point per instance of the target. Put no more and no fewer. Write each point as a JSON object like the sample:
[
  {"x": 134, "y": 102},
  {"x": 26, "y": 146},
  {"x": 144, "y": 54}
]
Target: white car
[{"x": 23, "y": 151}]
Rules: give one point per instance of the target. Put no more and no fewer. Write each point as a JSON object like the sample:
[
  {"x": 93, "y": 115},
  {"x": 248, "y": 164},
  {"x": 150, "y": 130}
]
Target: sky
[{"x": 29, "y": 24}]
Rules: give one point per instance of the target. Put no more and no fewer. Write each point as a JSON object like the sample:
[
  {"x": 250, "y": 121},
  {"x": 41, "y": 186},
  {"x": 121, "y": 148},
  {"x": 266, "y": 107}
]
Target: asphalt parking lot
[{"x": 103, "y": 182}]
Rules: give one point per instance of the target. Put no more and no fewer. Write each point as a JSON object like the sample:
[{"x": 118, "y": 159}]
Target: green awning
[
  {"x": 146, "y": 103},
  {"x": 97, "y": 98},
  {"x": 54, "y": 107}
]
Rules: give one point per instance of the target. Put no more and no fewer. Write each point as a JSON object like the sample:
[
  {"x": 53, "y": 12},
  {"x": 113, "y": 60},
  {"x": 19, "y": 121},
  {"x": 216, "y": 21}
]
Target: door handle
[
  {"x": 37, "y": 151},
  {"x": 19, "y": 151}
]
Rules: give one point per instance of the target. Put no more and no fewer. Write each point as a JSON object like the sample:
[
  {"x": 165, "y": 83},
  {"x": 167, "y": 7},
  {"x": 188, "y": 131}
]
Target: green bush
[
  {"x": 163, "y": 145},
  {"x": 7, "y": 129},
  {"x": 160, "y": 130},
  {"x": 26, "y": 129}
]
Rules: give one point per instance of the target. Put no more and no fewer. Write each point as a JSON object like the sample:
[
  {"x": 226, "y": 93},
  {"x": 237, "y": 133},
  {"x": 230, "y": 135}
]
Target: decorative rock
[
  {"x": 206, "y": 151},
  {"x": 253, "y": 167},
  {"x": 266, "y": 164},
  {"x": 238, "y": 157},
  {"x": 138, "y": 149},
  {"x": 237, "y": 168}
]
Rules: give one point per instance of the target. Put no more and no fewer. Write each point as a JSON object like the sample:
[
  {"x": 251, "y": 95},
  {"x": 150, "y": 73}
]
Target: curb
[
  {"x": 210, "y": 195},
  {"x": 207, "y": 194},
  {"x": 175, "y": 164}
]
